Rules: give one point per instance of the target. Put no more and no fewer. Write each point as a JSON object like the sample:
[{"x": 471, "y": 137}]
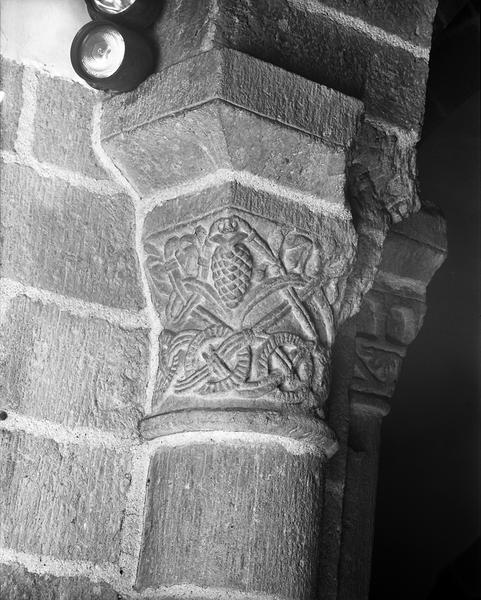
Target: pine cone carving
[{"x": 231, "y": 272}]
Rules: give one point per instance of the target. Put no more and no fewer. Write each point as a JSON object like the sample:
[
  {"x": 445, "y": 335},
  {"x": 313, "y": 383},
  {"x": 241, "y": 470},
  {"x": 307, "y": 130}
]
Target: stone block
[
  {"x": 390, "y": 317},
  {"x": 411, "y": 20},
  {"x": 405, "y": 257},
  {"x": 382, "y": 174},
  {"x": 60, "y": 104},
  {"x": 217, "y": 135},
  {"x": 377, "y": 369},
  {"x": 283, "y": 154},
  {"x": 227, "y": 516},
  {"x": 65, "y": 501},
  {"x": 11, "y": 83},
  {"x": 389, "y": 80},
  {"x": 72, "y": 370},
  {"x": 359, "y": 505},
  {"x": 428, "y": 226},
  {"x": 241, "y": 80},
  {"x": 294, "y": 35},
  {"x": 16, "y": 583},
  {"x": 68, "y": 240},
  {"x": 386, "y": 325}
]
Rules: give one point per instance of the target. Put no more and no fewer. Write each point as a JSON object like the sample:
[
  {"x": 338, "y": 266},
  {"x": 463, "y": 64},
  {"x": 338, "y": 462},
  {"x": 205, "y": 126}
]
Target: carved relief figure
[{"x": 243, "y": 309}]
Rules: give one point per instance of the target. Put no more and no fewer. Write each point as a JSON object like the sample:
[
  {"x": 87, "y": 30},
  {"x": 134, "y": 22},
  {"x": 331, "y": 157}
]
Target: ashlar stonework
[{"x": 207, "y": 291}]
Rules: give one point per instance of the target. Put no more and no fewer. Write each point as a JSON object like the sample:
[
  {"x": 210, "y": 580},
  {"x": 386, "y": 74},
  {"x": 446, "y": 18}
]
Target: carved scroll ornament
[{"x": 247, "y": 323}]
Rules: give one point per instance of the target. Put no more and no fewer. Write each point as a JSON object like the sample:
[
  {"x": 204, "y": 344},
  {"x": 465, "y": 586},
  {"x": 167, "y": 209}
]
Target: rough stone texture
[
  {"x": 389, "y": 320},
  {"x": 428, "y": 226},
  {"x": 415, "y": 260},
  {"x": 402, "y": 258},
  {"x": 382, "y": 175},
  {"x": 61, "y": 500},
  {"x": 216, "y": 135},
  {"x": 338, "y": 419},
  {"x": 63, "y": 126},
  {"x": 411, "y": 19},
  {"x": 293, "y": 35},
  {"x": 73, "y": 370},
  {"x": 241, "y": 80},
  {"x": 390, "y": 81},
  {"x": 16, "y": 583},
  {"x": 387, "y": 324},
  {"x": 237, "y": 517},
  {"x": 359, "y": 504},
  {"x": 414, "y": 250},
  {"x": 245, "y": 517},
  {"x": 68, "y": 240},
  {"x": 10, "y": 83},
  {"x": 392, "y": 312}
]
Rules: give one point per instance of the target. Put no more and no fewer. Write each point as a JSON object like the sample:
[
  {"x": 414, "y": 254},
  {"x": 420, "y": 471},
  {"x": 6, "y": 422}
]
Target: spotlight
[
  {"x": 111, "y": 57},
  {"x": 133, "y": 13}
]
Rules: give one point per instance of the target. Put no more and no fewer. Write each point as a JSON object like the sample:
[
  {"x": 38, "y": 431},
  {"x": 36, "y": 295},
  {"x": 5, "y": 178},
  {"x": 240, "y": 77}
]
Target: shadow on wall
[{"x": 427, "y": 513}]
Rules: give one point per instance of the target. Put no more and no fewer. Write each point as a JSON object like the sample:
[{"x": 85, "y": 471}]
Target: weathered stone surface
[
  {"x": 73, "y": 370},
  {"x": 283, "y": 154},
  {"x": 240, "y": 278},
  {"x": 16, "y": 583},
  {"x": 61, "y": 500},
  {"x": 294, "y": 35},
  {"x": 382, "y": 174},
  {"x": 215, "y": 136},
  {"x": 413, "y": 251},
  {"x": 359, "y": 504},
  {"x": 390, "y": 318},
  {"x": 241, "y": 80},
  {"x": 68, "y": 240},
  {"x": 343, "y": 358},
  {"x": 10, "y": 83},
  {"x": 409, "y": 258},
  {"x": 213, "y": 106},
  {"x": 336, "y": 235},
  {"x": 411, "y": 19},
  {"x": 386, "y": 325},
  {"x": 238, "y": 517},
  {"x": 428, "y": 226},
  {"x": 63, "y": 126}
]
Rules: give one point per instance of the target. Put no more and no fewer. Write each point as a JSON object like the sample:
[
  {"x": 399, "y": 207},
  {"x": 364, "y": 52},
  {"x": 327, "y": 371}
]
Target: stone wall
[
  {"x": 75, "y": 359},
  {"x": 79, "y": 331}
]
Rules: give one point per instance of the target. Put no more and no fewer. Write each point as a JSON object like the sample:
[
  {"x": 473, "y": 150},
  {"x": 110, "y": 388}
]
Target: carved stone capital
[
  {"x": 248, "y": 288},
  {"x": 250, "y": 273}
]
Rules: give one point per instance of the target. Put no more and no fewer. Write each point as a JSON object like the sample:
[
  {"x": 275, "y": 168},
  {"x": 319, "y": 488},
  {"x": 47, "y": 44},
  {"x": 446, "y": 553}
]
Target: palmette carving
[{"x": 244, "y": 312}]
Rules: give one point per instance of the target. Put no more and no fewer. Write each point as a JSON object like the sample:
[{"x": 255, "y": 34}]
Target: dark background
[{"x": 428, "y": 494}]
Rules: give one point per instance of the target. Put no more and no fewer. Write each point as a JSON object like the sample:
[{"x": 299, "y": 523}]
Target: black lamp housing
[
  {"x": 140, "y": 15},
  {"x": 137, "y": 64}
]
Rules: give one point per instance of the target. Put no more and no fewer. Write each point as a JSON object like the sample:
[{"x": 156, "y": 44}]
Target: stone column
[
  {"x": 248, "y": 244},
  {"x": 241, "y": 158}
]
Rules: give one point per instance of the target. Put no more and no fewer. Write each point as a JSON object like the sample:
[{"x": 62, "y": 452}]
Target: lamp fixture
[
  {"x": 109, "y": 56},
  {"x": 133, "y": 13}
]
